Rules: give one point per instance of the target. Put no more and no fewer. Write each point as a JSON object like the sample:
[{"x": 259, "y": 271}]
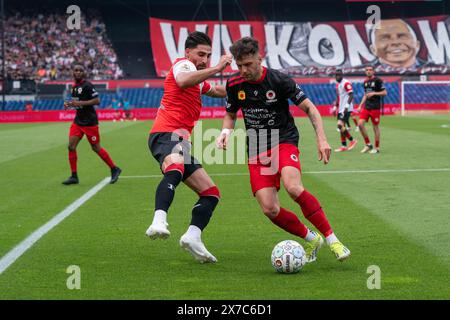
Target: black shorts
[
  {"x": 161, "y": 144},
  {"x": 344, "y": 117}
]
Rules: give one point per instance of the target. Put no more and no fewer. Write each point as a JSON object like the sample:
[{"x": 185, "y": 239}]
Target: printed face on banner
[{"x": 395, "y": 43}]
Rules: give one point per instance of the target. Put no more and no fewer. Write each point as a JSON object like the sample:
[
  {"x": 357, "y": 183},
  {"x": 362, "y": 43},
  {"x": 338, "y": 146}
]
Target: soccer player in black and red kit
[
  {"x": 84, "y": 100},
  {"x": 374, "y": 91},
  {"x": 272, "y": 139}
]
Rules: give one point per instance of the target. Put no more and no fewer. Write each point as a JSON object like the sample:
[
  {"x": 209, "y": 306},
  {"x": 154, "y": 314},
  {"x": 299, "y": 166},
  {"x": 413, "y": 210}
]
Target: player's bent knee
[
  {"x": 294, "y": 190},
  {"x": 271, "y": 211}
]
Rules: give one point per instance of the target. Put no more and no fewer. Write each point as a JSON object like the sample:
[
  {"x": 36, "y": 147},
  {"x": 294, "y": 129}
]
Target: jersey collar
[
  {"x": 263, "y": 76},
  {"x": 78, "y": 83}
]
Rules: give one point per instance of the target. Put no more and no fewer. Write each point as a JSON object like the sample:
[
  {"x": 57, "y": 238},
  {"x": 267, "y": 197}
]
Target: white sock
[
  {"x": 332, "y": 239},
  {"x": 194, "y": 231},
  {"x": 310, "y": 236},
  {"x": 160, "y": 216}
]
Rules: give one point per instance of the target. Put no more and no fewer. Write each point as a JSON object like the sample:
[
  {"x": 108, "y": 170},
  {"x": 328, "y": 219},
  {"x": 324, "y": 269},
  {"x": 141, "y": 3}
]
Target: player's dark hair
[
  {"x": 196, "y": 38},
  {"x": 339, "y": 71},
  {"x": 244, "y": 46}
]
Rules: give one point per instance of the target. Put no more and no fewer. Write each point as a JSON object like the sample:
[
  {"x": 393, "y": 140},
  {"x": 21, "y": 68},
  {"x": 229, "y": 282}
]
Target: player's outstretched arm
[
  {"x": 323, "y": 148},
  {"x": 217, "y": 92},
  {"x": 192, "y": 78},
  {"x": 229, "y": 122}
]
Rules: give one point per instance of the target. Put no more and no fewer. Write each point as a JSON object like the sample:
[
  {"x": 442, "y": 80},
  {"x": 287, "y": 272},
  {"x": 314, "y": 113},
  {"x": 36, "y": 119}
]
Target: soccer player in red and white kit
[
  {"x": 374, "y": 91},
  {"x": 262, "y": 94},
  {"x": 168, "y": 142},
  {"x": 344, "y": 105},
  {"x": 84, "y": 100}
]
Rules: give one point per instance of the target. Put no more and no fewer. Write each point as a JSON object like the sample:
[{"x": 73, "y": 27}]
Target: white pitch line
[
  {"x": 311, "y": 172},
  {"x": 26, "y": 244}
]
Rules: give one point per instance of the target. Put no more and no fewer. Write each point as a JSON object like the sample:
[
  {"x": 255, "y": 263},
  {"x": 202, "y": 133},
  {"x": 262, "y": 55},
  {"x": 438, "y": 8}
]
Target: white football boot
[
  {"x": 158, "y": 230},
  {"x": 196, "y": 247}
]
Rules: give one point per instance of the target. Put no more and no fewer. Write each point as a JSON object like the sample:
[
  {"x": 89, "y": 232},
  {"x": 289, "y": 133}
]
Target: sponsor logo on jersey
[
  {"x": 294, "y": 157},
  {"x": 241, "y": 95},
  {"x": 270, "y": 95}
]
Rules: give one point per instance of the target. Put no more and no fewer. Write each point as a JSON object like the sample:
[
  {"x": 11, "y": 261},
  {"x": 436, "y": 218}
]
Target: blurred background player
[
  {"x": 84, "y": 100},
  {"x": 126, "y": 106},
  {"x": 169, "y": 145},
  {"x": 262, "y": 94},
  {"x": 370, "y": 108},
  {"x": 115, "y": 105},
  {"x": 344, "y": 99}
]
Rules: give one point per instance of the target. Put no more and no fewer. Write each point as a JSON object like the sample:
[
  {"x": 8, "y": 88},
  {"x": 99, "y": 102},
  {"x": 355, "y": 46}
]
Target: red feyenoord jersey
[{"x": 180, "y": 108}]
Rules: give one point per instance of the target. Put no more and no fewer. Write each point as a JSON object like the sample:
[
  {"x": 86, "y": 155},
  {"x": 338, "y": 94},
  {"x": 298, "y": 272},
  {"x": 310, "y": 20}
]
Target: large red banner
[
  {"x": 392, "y": 46},
  {"x": 168, "y": 37}
]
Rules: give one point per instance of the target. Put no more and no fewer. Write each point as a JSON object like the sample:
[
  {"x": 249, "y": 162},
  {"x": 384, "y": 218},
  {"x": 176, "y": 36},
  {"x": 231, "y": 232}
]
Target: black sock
[
  {"x": 166, "y": 190},
  {"x": 74, "y": 175},
  {"x": 202, "y": 211}
]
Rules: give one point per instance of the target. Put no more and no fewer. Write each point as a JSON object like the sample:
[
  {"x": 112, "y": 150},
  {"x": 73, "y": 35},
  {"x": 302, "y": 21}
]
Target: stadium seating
[{"x": 320, "y": 94}]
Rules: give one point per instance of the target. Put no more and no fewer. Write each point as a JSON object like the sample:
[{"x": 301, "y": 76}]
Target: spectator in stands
[{"x": 39, "y": 47}]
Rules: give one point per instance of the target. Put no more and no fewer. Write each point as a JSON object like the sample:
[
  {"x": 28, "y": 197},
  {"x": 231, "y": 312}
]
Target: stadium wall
[{"x": 150, "y": 113}]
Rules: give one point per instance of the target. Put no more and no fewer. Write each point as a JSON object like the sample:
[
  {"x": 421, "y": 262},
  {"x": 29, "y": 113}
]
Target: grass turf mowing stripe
[
  {"x": 312, "y": 172},
  {"x": 26, "y": 244}
]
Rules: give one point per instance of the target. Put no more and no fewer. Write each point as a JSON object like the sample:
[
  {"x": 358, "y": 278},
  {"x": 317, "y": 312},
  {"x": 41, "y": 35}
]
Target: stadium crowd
[{"x": 41, "y": 47}]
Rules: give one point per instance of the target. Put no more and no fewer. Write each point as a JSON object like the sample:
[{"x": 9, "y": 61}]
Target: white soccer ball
[{"x": 288, "y": 257}]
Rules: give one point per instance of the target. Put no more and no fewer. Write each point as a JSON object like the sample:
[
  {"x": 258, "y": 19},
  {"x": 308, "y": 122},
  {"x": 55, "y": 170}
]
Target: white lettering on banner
[
  {"x": 356, "y": 47},
  {"x": 437, "y": 50},
  {"x": 279, "y": 50},
  {"x": 326, "y": 37},
  {"x": 169, "y": 39}
]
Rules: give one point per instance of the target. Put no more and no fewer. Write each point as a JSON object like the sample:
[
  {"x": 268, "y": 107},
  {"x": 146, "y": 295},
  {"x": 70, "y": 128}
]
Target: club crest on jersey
[
  {"x": 270, "y": 95},
  {"x": 79, "y": 90},
  {"x": 241, "y": 95}
]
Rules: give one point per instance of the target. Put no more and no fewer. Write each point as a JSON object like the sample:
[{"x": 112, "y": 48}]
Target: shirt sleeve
[
  {"x": 91, "y": 93},
  {"x": 292, "y": 90},
  {"x": 231, "y": 102},
  {"x": 380, "y": 85},
  {"x": 348, "y": 87},
  {"x": 205, "y": 87},
  {"x": 183, "y": 66}
]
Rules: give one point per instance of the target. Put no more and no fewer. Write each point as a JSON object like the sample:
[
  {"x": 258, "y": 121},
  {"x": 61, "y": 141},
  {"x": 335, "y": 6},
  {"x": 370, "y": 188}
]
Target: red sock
[
  {"x": 347, "y": 134},
  {"x": 73, "y": 161},
  {"x": 105, "y": 157},
  {"x": 313, "y": 212},
  {"x": 377, "y": 144},
  {"x": 343, "y": 141},
  {"x": 355, "y": 121},
  {"x": 289, "y": 221},
  {"x": 366, "y": 140}
]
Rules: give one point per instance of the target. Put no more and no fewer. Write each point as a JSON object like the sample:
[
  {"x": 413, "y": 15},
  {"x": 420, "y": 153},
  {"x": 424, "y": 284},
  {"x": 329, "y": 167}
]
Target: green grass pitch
[{"x": 398, "y": 220}]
